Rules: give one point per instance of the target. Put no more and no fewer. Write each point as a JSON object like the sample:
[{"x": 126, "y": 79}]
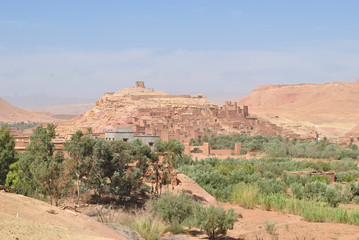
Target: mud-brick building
[{"x": 126, "y": 134}]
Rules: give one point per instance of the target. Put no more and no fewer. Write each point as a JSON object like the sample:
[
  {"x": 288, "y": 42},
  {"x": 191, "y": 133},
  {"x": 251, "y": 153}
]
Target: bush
[
  {"x": 174, "y": 209},
  {"x": 176, "y": 229},
  {"x": 215, "y": 221},
  {"x": 315, "y": 190},
  {"x": 182, "y": 160},
  {"x": 356, "y": 199},
  {"x": 332, "y": 196},
  {"x": 271, "y": 186},
  {"x": 147, "y": 225},
  {"x": 318, "y": 178},
  {"x": 297, "y": 190},
  {"x": 243, "y": 151},
  {"x": 324, "y": 166},
  {"x": 354, "y": 147},
  {"x": 245, "y": 195},
  {"x": 289, "y": 179},
  {"x": 148, "y": 228},
  {"x": 345, "y": 177},
  {"x": 270, "y": 227}
]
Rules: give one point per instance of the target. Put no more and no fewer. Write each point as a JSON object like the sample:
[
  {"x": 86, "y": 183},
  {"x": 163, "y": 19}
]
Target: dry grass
[{"x": 147, "y": 225}]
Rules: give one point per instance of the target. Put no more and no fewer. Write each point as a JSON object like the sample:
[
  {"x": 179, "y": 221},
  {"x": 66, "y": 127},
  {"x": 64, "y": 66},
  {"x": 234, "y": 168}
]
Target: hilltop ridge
[
  {"x": 12, "y": 114},
  {"x": 332, "y": 108}
]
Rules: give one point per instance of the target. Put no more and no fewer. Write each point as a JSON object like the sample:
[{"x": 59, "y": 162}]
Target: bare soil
[{"x": 27, "y": 218}]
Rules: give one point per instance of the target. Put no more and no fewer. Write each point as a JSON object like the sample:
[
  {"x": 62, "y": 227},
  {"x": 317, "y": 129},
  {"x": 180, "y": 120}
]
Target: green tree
[
  {"x": 7, "y": 152},
  {"x": 38, "y": 172},
  {"x": 215, "y": 221},
  {"x": 172, "y": 146},
  {"x": 130, "y": 162},
  {"x": 80, "y": 149}
]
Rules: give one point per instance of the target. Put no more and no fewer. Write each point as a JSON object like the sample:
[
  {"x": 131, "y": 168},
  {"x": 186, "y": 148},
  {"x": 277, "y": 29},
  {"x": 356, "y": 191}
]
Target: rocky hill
[
  {"x": 11, "y": 114},
  {"x": 331, "y": 108},
  {"x": 168, "y": 116}
]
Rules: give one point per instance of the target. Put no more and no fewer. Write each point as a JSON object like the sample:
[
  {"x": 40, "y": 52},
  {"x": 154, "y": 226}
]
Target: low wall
[
  {"x": 207, "y": 150},
  {"x": 330, "y": 174},
  {"x": 222, "y": 151}
]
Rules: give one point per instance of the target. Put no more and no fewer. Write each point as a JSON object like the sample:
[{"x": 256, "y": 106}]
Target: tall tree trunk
[{"x": 78, "y": 188}]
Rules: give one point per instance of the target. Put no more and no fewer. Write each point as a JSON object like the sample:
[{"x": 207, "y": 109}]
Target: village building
[{"x": 126, "y": 134}]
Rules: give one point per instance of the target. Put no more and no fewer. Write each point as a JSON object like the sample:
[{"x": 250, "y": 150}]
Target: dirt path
[
  {"x": 288, "y": 226},
  {"x": 27, "y": 218}
]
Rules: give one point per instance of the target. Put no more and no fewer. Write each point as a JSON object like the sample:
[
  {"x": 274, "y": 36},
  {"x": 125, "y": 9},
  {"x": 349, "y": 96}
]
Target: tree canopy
[{"x": 7, "y": 152}]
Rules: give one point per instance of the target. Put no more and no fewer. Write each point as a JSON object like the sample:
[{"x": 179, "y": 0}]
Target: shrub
[
  {"x": 245, "y": 195},
  {"x": 243, "y": 151},
  {"x": 270, "y": 186},
  {"x": 332, "y": 196},
  {"x": 315, "y": 190},
  {"x": 215, "y": 221},
  {"x": 174, "y": 209},
  {"x": 345, "y": 177},
  {"x": 289, "y": 179},
  {"x": 297, "y": 190},
  {"x": 319, "y": 178},
  {"x": 356, "y": 199},
  {"x": 182, "y": 160},
  {"x": 266, "y": 202},
  {"x": 354, "y": 147},
  {"x": 176, "y": 229},
  {"x": 148, "y": 227},
  {"x": 270, "y": 227},
  {"x": 324, "y": 166}
]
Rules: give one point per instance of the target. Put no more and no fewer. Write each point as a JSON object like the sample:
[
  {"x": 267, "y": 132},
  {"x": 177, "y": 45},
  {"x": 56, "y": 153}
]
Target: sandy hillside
[
  {"x": 331, "y": 108},
  {"x": 70, "y": 109},
  {"x": 26, "y": 218},
  {"x": 10, "y": 113}
]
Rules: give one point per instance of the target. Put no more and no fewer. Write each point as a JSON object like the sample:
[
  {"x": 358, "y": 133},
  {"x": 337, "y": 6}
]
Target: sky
[{"x": 84, "y": 48}]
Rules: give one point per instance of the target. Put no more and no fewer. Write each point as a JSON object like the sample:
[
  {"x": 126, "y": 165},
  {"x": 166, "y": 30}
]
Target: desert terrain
[
  {"x": 331, "y": 108},
  {"x": 12, "y": 114},
  {"x": 27, "y": 218}
]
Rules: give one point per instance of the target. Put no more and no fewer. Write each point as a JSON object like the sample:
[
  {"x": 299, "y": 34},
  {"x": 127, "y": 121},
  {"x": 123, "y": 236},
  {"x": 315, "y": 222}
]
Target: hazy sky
[{"x": 84, "y": 48}]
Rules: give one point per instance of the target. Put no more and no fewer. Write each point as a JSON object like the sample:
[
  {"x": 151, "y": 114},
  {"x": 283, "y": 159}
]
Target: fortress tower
[{"x": 140, "y": 84}]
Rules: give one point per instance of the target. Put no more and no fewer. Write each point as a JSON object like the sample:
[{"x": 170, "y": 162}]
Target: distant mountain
[
  {"x": 70, "y": 109},
  {"x": 38, "y": 101},
  {"x": 11, "y": 114},
  {"x": 332, "y": 108}
]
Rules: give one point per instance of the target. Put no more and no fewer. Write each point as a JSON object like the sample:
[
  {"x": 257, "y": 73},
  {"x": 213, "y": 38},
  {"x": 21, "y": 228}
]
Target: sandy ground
[
  {"x": 288, "y": 226},
  {"x": 329, "y": 124},
  {"x": 191, "y": 187},
  {"x": 26, "y": 218}
]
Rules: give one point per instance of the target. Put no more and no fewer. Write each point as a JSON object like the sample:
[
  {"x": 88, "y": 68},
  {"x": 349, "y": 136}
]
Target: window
[
  {"x": 150, "y": 144},
  {"x": 125, "y": 139}
]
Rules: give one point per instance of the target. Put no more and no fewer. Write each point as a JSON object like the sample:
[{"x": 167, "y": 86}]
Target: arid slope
[
  {"x": 26, "y": 218},
  {"x": 331, "y": 108},
  {"x": 10, "y": 113}
]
